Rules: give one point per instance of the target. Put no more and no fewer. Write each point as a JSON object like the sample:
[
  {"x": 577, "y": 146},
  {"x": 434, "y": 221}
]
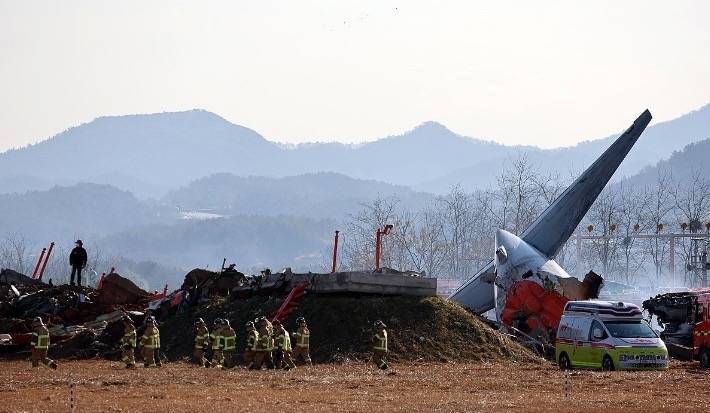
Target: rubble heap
[
  {"x": 430, "y": 329},
  {"x": 82, "y": 321}
]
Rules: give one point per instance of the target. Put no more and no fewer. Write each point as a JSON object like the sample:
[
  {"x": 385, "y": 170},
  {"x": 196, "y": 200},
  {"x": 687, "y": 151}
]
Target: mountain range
[
  {"x": 150, "y": 155},
  {"x": 130, "y": 185}
]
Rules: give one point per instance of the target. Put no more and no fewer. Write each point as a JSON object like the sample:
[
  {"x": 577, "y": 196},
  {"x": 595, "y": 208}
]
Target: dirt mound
[{"x": 430, "y": 329}]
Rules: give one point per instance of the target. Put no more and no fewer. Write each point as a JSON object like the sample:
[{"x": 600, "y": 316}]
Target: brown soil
[
  {"x": 490, "y": 387},
  {"x": 429, "y": 329}
]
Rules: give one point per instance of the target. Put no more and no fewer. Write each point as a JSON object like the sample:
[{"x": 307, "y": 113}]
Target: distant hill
[
  {"x": 656, "y": 144},
  {"x": 682, "y": 165},
  {"x": 147, "y": 154},
  {"x": 321, "y": 195},
  {"x": 252, "y": 242},
  {"x": 153, "y": 154},
  {"x": 64, "y": 213}
]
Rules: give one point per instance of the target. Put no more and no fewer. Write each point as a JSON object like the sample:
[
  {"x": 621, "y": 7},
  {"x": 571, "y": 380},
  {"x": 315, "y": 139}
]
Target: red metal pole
[
  {"x": 39, "y": 261},
  {"x": 378, "y": 244},
  {"x": 44, "y": 265},
  {"x": 335, "y": 251},
  {"x": 165, "y": 291}
]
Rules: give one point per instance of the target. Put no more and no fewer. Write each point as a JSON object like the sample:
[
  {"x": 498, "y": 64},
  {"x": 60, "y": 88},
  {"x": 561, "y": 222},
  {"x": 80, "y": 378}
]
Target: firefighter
[
  {"x": 217, "y": 344},
  {"x": 250, "y": 349},
  {"x": 264, "y": 347},
  {"x": 379, "y": 347},
  {"x": 303, "y": 338},
  {"x": 282, "y": 356},
  {"x": 149, "y": 341},
  {"x": 157, "y": 342},
  {"x": 229, "y": 338},
  {"x": 202, "y": 341},
  {"x": 40, "y": 344},
  {"x": 128, "y": 343}
]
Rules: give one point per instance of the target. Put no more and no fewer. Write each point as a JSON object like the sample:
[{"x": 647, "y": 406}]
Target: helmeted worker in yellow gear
[
  {"x": 40, "y": 344},
  {"x": 379, "y": 348},
  {"x": 217, "y": 344},
  {"x": 202, "y": 342},
  {"x": 264, "y": 347},
  {"x": 128, "y": 343},
  {"x": 157, "y": 342},
  {"x": 149, "y": 342},
  {"x": 250, "y": 349},
  {"x": 302, "y": 335},
  {"x": 282, "y": 354},
  {"x": 229, "y": 339}
]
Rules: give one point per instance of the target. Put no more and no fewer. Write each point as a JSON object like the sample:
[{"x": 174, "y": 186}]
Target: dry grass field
[{"x": 103, "y": 386}]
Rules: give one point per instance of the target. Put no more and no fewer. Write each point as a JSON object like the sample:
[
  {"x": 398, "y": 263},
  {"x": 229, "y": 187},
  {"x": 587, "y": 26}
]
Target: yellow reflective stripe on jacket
[
  {"x": 150, "y": 341},
  {"x": 381, "y": 341},
  {"x": 129, "y": 338},
  {"x": 283, "y": 341},
  {"x": 42, "y": 341},
  {"x": 230, "y": 342},
  {"x": 264, "y": 343},
  {"x": 216, "y": 341},
  {"x": 303, "y": 339},
  {"x": 201, "y": 340},
  {"x": 252, "y": 340}
]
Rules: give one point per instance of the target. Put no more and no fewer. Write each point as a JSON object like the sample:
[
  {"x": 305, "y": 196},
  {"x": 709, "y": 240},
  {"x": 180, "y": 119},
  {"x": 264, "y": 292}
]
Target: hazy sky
[{"x": 548, "y": 73}]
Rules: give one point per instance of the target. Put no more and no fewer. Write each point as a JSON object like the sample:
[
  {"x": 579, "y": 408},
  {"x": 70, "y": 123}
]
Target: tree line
[{"x": 453, "y": 236}]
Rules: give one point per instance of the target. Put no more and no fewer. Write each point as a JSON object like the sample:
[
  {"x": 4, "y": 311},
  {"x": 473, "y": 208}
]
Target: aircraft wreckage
[{"x": 523, "y": 283}]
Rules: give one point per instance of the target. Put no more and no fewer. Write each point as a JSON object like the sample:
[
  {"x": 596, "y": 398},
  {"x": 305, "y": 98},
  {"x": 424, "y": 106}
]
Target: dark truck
[{"x": 685, "y": 319}]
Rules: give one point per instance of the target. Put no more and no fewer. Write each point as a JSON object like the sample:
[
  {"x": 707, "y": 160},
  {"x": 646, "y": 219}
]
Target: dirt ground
[{"x": 103, "y": 386}]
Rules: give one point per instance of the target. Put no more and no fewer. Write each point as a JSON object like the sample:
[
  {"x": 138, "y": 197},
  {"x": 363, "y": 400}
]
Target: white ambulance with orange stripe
[{"x": 607, "y": 335}]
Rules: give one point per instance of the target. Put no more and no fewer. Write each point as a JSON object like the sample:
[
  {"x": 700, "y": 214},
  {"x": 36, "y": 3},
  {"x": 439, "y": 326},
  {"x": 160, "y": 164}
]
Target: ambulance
[{"x": 607, "y": 335}]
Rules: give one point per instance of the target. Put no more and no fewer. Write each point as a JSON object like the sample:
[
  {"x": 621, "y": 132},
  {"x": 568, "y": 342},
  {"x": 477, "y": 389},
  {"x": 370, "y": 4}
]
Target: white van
[{"x": 607, "y": 335}]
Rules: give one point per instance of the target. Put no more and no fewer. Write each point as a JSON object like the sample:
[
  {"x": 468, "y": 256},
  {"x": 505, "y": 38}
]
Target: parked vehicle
[{"x": 607, "y": 335}]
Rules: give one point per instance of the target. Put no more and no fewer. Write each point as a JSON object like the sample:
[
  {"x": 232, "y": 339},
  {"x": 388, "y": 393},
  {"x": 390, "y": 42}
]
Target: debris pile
[
  {"x": 427, "y": 329},
  {"x": 79, "y": 319},
  {"x": 84, "y": 322}
]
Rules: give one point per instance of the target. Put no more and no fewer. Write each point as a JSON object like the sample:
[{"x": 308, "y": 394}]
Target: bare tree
[
  {"x": 15, "y": 254},
  {"x": 605, "y": 215},
  {"x": 658, "y": 211}
]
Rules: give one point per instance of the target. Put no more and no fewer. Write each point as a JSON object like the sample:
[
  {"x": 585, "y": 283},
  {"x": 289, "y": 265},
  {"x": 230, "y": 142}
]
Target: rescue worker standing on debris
[
  {"x": 282, "y": 356},
  {"x": 128, "y": 343},
  {"x": 229, "y": 337},
  {"x": 40, "y": 344},
  {"x": 217, "y": 343},
  {"x": 77, "y": 260},
  {"x": 149, "y": 341},
  {"x": 202, "y": 340},
  {"x": 303, "y": 338},
  {"x": 250, "y": 349},
  {"x": 379, "y": 348}
]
